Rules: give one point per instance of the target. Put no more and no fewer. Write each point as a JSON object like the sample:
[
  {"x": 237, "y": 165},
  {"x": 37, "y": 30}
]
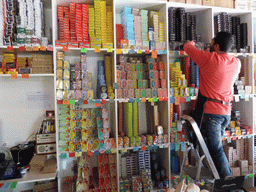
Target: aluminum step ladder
[{"x": 207, "y": 171}]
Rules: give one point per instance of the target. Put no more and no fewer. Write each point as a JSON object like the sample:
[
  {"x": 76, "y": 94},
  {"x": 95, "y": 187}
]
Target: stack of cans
[
  {"x": 101, "y": 83},
  {"x": 172, "y": 23}
]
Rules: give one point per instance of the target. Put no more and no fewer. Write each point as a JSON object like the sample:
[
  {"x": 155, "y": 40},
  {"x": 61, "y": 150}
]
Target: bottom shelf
[{"x": 31, "y": 177}]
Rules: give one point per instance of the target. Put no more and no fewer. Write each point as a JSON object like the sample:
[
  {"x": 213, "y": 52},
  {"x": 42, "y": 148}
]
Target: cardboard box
[
  {"x": 199, "y": 2},
  {"x": 235, "y": 171},
  {"x": 50, "y": 166},
  {"x": 208, "y": 2},
  {"x": 224, "y": 3},
  {"x": 250, "y": 169},
  {"x": 37, "y": 163}
]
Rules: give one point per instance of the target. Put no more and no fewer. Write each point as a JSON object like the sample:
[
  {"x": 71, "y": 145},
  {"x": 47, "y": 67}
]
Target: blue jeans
[{"x": 213, "y": 131}]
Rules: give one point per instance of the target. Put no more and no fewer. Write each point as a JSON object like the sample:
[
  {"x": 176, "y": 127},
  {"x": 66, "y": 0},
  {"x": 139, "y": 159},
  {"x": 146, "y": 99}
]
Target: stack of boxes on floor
[
  {"x": 237, "y": 150},
  {"x": 88, "y": 27},
  {"x": 135, "y": 172},
  {"x": 141, "y": 30},
  {"x": 136, "y": 79},
  {"x": 104, "y": 176}
]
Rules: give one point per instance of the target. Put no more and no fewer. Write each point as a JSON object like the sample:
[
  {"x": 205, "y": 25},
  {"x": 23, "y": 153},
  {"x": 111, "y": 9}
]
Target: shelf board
[
  {"x": 79, "y": 49},
  {"x": 31, "y": 177},
  {"x": 241, "y": 54},
  {"x": 30, "y": 75},
  {"x": 17, "y": 47},
  {"x": 238, "y": 137},
  {"x": 164, "y": 145}
]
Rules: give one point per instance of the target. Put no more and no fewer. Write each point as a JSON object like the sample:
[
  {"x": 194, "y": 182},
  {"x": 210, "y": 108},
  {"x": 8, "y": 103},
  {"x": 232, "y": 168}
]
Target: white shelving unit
[{"x": 23, "y": 118}]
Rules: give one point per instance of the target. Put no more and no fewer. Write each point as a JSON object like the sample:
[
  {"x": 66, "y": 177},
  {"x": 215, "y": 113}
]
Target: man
[{"x": 218, "y": 72}]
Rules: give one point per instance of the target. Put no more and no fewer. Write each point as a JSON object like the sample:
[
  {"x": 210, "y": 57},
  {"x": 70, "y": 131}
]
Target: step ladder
[{"x": 207, "y": 171}]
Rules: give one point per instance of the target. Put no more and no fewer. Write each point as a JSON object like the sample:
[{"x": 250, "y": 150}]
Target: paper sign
[
  {"x": 155, "y": 99},
  {"x": 97, "y": 104},
  {"x": 154, "y": 54},
  {"x": 1, "y": 185},
  {"x": 166, "y": 99},
  {"x": 72, "y": 102},
  {"x": 150, "y": 100},
  {"x": 25, "y": 76},
  {"x": 59, "y": 102},
  {"x": 108, "y": 151},
  {"x": 83, "y": 50},
  {"x": 65, "y": 48},
  {"x": 78, "y": 154},
  {"x": 102, "y": 151},
  {"x": 183, "y": 146},
  {"x": 161, "y": 98},
  {"x": 113, "y": 150},
  {"x": 14, "y": 76},
  {"x": 177, "y": 146},
  {"x": 124, "y": 150}
]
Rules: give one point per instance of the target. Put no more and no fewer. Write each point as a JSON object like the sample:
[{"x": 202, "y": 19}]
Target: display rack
[{"x": 29, "y": 116}]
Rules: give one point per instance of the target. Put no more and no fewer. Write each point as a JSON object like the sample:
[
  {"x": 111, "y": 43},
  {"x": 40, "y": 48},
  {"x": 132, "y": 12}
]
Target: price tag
[
  {"x": 97, "y": 50},
  {"x": 66, "y": 102},
  {"x": 78, "y": 154},
  {"x": 65, "y": 48},
  {"x": 23, "y": 48},
  {"x": 139, "y": 51},
  {"x": 143, "y": 148},
  {"x": 50, "y": 48},
  {"x": 97, "y": 104},
  {"x": 236, "y": 98},
  {"x": 83, "y": 50},
  {"x": 154, "y": 54},
  {"x": 149, "y": 148},
  {"x": 150, "y": 100},
  {"x": 183, "y": 146},
  {"x": 161, "y": 98},
  {"x": 147, "y": 51},
  {"x": 72, "y": 102},
  {"x": 143, "y": 100},
  {"x": 135, "y": 148},
  {"x": 63, "y": 156},
  {"x": 90, "y": 153},
  {"x": 118, "y": 51},
  {"x": 59, "y": 102},
  {"x": 188, "y": 99},
  {"x": 25, "y": 76},
  {"x": 125, "y": 51},
  {"x": 177, "y": 100},
  {"x": 13, "y": 185},
  {"x": 251, "y": 175},
  {"x": 42, "y": 48},
  {"x": 85, "y": 102},
  {"x": 234, "y": 138},
  {"x": 161, "y": 146},
  {"x": 14, "y": 76},
  {"x": 177, "y": 146},
  {"x": 166, "y": 99},
  {"x": 108, "y": 151},
  {"x": 172, "y": 99},
  {"x": 131, "y": 100},
  {"x": 96, "y": 152},
  {"x": 35, "y": 48},
  {"x": 29, "y": 48},
  {"x": 247, "y": 97},
  {"x": 9, "y": 48},
  {"x": 103, "y": 101},
  {"x": 124, "y": 150},
  {"x": 155, "y": 99},
  {"x": 102, "y": 151},
  {"x": 113, "y": 150},
  {"x": 72, "y": 154},
  {"x": 110, "y": 50}
]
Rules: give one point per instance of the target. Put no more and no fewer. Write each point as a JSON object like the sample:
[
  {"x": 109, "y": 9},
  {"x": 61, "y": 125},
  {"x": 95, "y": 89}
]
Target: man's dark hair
[{"x": 224, "y": 40}]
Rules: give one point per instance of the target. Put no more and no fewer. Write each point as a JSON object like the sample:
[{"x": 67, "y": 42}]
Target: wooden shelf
[{"x": 30, "y": 177}]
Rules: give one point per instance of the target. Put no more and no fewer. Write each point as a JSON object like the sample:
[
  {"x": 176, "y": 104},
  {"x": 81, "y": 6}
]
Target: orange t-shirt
[{"x": 218, "y": 72}]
